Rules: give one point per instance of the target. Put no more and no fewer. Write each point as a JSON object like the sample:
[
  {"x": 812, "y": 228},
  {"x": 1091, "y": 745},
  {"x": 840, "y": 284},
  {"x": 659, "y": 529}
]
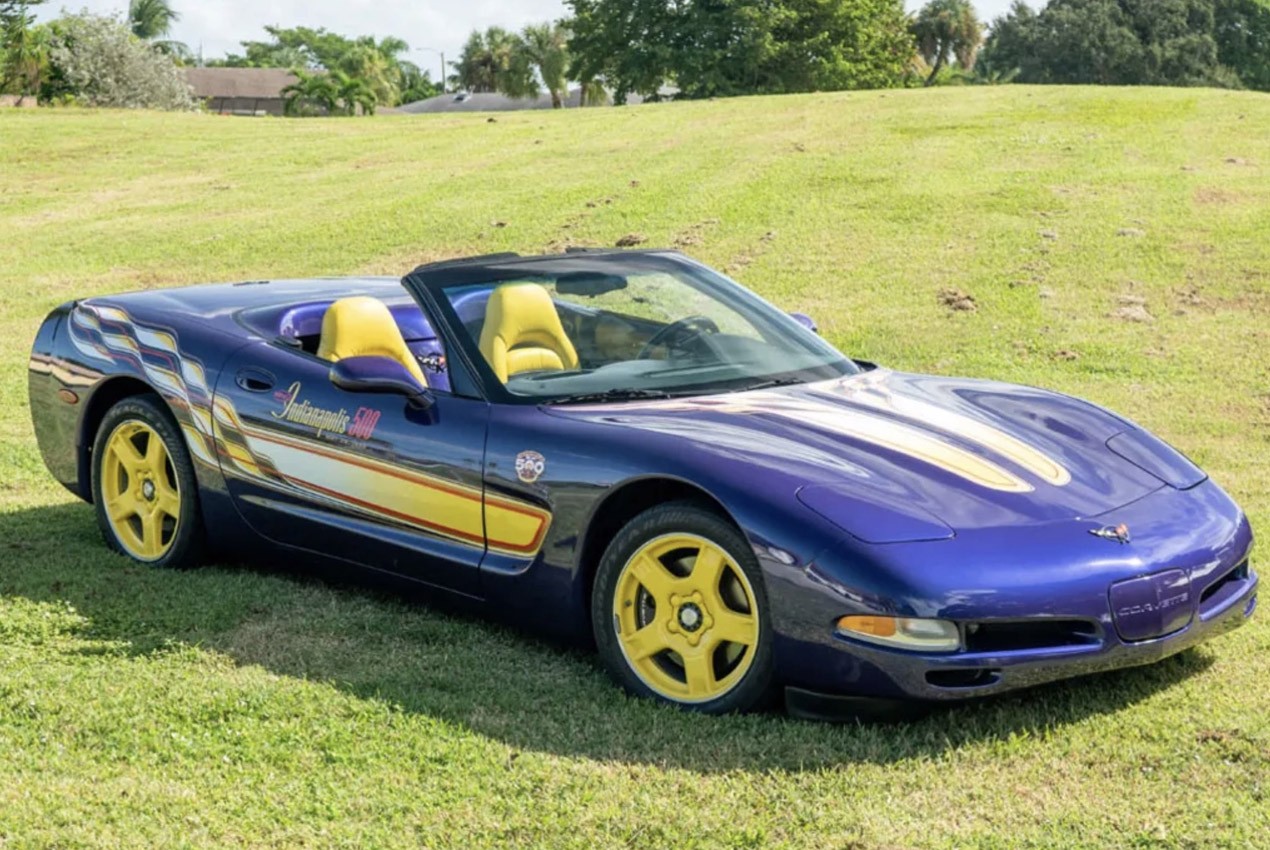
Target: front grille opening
[
  {"x": 1234, "y": 576},
  {"x": 1029, "y": 634},
  {"x": 977, "y": 678}
]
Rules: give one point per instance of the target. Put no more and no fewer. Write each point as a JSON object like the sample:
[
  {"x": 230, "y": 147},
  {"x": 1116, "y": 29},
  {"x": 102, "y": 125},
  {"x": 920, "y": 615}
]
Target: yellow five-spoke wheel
[
  {"x": 680, "y": 612},
  {"x": 144, "y": 488}
]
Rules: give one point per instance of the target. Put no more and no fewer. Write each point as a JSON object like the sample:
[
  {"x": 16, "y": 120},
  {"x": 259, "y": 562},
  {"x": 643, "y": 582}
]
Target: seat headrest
[
  {"x": 518, "y": 315},
  {"x": 362, "y": 326}
]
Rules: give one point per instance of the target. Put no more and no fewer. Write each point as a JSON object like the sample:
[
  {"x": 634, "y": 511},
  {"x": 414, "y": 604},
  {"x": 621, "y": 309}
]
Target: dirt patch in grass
[
  {"x": 957, "y": 301},
  {"x": 694, "y": 234},
  {"x": 1132, "y": 308},
  {"x": 1214, "y": 196}
]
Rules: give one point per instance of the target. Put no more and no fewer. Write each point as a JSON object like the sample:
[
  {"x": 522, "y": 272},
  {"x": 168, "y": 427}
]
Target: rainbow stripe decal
[{"x": 324, "y": 473}]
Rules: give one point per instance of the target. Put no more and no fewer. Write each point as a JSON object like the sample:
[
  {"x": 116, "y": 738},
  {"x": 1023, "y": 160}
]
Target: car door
[{"x": 363, "y": 477}]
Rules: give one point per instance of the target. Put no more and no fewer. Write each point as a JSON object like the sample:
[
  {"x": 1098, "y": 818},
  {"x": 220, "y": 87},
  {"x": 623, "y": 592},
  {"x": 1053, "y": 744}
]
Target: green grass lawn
[{"x": 241, "y": 706}]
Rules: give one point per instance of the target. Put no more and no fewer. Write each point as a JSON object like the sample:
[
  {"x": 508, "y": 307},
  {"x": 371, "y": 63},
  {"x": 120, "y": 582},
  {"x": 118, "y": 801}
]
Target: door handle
[{"x": 254, "y": 380}]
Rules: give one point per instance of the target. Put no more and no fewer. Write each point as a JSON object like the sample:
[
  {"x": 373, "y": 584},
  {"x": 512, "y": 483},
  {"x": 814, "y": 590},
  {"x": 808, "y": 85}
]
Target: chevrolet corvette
[{"x": 629, "y": 448}]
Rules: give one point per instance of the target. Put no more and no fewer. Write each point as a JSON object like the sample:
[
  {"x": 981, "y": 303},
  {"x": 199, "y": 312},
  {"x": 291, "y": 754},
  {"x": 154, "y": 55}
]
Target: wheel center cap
[
  {"x": 147, "y": 490},
  {"x": 690, "y": 617}
]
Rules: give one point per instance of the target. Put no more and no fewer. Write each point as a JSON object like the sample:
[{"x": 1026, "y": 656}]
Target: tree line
[
  {"x": 93, "y": 60},
  {"x": 99, "y": 60},
  {"x": 718, "y": 48},
  {"x": 336, "y": 74},
  {"x": 611, "y": 50}
]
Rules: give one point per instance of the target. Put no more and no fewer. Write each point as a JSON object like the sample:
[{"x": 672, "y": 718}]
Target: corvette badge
[{"x": 1118, "y": 533}]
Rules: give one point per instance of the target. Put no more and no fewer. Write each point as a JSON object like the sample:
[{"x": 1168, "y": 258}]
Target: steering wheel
[{"x": 678, "y": 333}]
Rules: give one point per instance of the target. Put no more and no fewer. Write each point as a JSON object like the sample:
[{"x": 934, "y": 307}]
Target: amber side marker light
[{"x": 902, "y": 632}]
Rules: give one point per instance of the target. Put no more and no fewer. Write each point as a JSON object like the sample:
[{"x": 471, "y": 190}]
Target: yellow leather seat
[
  {"x": 362, "y": 326},
  {"x": 523, "y": 333}
]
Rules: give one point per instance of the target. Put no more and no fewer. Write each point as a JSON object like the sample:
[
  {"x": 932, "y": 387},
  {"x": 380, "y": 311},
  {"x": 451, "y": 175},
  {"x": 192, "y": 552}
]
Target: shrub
[{"x": 104, "y": 64}]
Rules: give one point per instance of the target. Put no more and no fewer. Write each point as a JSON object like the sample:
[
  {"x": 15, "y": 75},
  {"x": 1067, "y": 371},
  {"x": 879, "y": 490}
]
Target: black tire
[
  {"x": 667, "y": 527},
  {"x": 183, "y": 541}
]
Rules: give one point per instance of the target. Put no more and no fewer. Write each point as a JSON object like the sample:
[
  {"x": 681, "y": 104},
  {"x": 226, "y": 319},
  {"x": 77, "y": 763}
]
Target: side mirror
[
  {"x": 806, "y": 321},
  {"x": 380, "y": 375}
]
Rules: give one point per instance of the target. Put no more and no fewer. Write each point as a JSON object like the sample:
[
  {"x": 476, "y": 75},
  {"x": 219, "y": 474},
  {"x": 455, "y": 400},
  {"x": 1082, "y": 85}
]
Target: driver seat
[
  {"x": 362, "y": 326},
  {"x": 522, "y": 332}
]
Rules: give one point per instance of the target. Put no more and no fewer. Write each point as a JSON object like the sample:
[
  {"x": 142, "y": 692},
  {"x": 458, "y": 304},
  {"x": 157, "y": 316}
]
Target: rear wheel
[
  {"x": 680, "y": 612},
  {"x": 144, "y": 488}
]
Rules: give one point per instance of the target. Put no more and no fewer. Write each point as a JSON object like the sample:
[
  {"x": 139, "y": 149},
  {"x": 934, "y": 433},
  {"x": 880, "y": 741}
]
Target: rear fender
[{"x": 87, "y": 356}]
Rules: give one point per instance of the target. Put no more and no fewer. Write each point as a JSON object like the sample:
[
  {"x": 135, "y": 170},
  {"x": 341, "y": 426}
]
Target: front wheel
[
  {"x": 144, "y": 489},
  {"x": 680, "y": 612}
]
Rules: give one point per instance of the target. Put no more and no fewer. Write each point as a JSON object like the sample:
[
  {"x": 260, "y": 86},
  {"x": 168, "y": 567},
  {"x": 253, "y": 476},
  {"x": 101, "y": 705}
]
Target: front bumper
[
  {"x": 1077, "y": 584},
  {"x": 908, "y": 689}
]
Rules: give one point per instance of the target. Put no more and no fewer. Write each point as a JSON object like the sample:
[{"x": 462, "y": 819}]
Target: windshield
[{"x": 591, "y": 328}]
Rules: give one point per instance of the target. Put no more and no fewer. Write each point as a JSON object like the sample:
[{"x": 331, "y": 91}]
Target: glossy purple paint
[{"x": 839, "y": 524}]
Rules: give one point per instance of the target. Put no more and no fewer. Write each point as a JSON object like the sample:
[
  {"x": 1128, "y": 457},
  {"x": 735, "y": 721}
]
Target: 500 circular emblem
[{"x": 530, "y": 466}]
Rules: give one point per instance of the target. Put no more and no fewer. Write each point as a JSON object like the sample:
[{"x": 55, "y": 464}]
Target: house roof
[
  {"x": 262, "y": 83},
  {"x": 482, "y": 102},
  {"x": 492, "y": 102}
]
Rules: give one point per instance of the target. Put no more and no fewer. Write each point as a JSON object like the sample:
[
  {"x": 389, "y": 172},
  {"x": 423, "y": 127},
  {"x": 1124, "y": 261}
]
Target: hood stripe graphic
[
  {"x": 909, "y": 441},
  {"x": 877, "y": 395},
  {"x": 823, "y": 407}
]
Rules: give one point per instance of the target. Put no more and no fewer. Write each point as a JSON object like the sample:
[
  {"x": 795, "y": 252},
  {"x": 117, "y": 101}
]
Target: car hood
[{"x": 891, "y": 456}]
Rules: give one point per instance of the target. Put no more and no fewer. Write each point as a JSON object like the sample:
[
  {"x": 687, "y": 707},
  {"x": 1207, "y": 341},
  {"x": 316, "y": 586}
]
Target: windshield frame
[{"x": 427, "y": 283}]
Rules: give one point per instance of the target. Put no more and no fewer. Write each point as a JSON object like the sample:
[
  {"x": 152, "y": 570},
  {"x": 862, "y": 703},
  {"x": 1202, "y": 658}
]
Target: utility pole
[{"x": 440, "y": 53}]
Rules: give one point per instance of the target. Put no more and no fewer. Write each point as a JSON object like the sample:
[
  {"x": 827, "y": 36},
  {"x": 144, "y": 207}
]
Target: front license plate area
[{"x": 1152, "y": 606}]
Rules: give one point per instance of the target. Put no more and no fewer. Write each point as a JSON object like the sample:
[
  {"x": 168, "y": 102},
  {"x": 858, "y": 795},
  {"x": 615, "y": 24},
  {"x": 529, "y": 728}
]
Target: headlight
[{"x": 902, "y": 632}]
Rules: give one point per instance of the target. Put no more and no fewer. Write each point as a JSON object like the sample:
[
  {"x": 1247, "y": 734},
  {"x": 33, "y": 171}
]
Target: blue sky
[{"x": 440, "y": 25}]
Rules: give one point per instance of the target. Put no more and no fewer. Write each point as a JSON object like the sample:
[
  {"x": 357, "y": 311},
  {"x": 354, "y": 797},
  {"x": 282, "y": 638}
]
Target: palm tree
[
  {"x": 366, "y": 61},
  {"x": 484, "y": 59},
  {"x": 545, "y": 47},
  {"x": 311, "y": 92},
  {"x": 151, "y": 19},
  {"x": 988, "y": 74},
  {"x": 944, "y": 29},
  {"x": 353, "y": 92},
  {"x": 24, "y": 56},
  {"x": 592, "y": 92}
]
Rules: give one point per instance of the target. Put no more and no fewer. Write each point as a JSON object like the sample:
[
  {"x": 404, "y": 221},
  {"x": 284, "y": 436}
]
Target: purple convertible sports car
[{"x": 630, "y": 448}]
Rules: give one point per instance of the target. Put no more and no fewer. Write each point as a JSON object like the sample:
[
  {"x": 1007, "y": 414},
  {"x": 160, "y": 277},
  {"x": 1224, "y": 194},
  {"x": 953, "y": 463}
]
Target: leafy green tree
[
  {"x": 416, "y": 84},
  {"x": 829, "y": 45},
  {"x": 377, "y": 70},
  {"x": 486, "y": 62},
  {"x": 101, "y": 63},
  {"x": 23, "y": 48},
  {"x": 630, "y": 45},
  {"x": 1136, "y": 42},
  {"x": 947, "y": 29},
  {"x": 711, "y": 48},
  {"x": 1242, "y": 31},
  {"x": 378, "y": 64}
]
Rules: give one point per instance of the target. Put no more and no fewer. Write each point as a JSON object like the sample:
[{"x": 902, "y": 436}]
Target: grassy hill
[{"x": 1114, "y": 244}]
